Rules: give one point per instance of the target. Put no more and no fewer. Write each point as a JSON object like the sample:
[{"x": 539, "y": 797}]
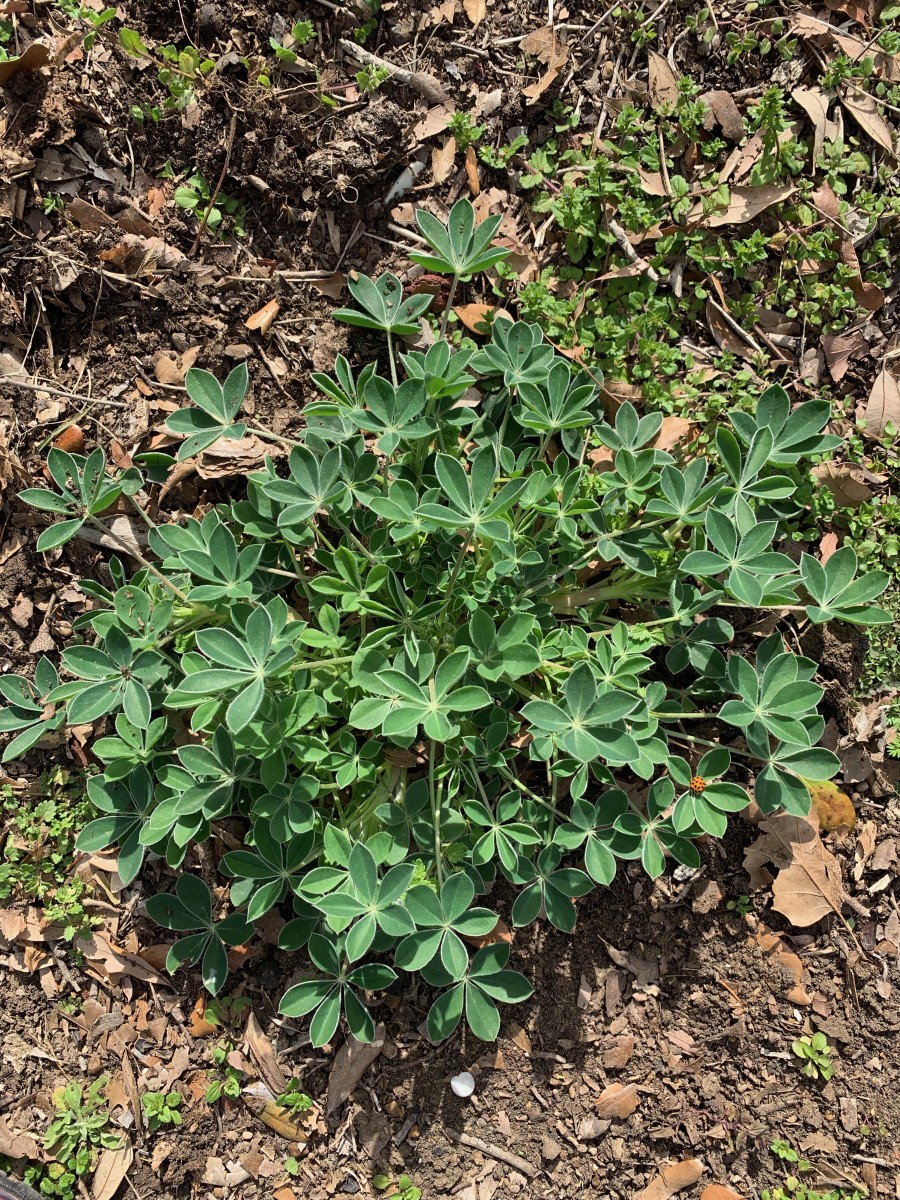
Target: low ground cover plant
[{"x": 474, "y": 630}]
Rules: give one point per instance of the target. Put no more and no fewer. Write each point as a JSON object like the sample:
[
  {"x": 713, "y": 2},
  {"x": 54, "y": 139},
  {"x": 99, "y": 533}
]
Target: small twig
[
  {"x": 505, "y": 1156},
  {"x": 629, "y": 251},
  {"x": 229, "y": 146},
  {"x": 55, "y": 391},
  {"x": 738, "y": 329},
  {"x": 425, "y": 85}
]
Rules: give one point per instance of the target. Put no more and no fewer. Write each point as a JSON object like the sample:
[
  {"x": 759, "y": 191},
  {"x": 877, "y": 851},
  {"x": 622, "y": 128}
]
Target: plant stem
[
  {"x": 449, "y": 307},
  {"x": 391, "y": 359},
  {"x": 434, "y": 789},
  {"x": 136, "y": 554}
]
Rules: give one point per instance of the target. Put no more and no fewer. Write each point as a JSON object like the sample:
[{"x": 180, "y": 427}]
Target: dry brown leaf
[
  {"x": 718, "y": 1191},
  {"x": 883, "y": 406},
  {"x": 442, "y": 160},
  {"x": 662, "y": 80},
  {"x": 15, "y": 1144},
  {"x": 111, "y": 1169},
  {"x": 534, "y": 91},
  {"x": 865, "y": 112},
  {"x": 140, "y": 256},
  {"x": 672, "y": 1179},
  {"x": 748, "y": 202},
  {"x": 435, "y": 121},
  {"x": 333, "y": 287},
  {"x": 619, "y": 1054},
  {"x": 725, "y": 336},
  {"x": 88, "y": 216},
  {"x": 834, "y": 808},
  {"x": 230, "y": 457},
  {"x": 721, "y": 110},
  {"x": 199, "y": 1026},
  {"x": 617, "y": 1101},
  {"x": 445, "y": 11},
  {"x": 36, "y": 56},
  {"x": 476, "y": 317},
  {"x": 104, "y": 956},
  {"x": 500, "y": 933},
  {"x": 280, "y": 1120},
  {"x": 263, "y": 1053},
  {"x": 675, "y": 431},
  {"x": 828, "y": 543},
  {"x": 840, "y": 350},
  {"x": 475, "y": 10},
  {"x": 172, "y": 371},
  {"x": 71, "y": 440},
  {"x": 652, "y": 182},
  {"x": 471, "y": 165},
  {"x": 867, "y": 295},
  {"x": 545, "y": 46},
  {"x": 350, "y": 1064},
  {"x": 808, "y": 885},
  {"x": 263, "y": 318},
  {"x": 815, "y": 101},
  {"x": 773, "y": 943}
]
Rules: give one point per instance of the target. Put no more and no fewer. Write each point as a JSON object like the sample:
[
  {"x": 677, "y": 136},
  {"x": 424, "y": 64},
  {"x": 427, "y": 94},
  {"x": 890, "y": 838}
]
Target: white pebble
[{"x": 463, "y": 1084}]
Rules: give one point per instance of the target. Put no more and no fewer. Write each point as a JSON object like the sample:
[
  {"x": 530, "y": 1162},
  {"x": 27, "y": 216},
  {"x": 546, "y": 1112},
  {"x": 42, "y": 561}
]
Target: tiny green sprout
[
  {"x": 229, "y": 1082},
  {"x": 292, "y": 1166},
  {"x": 293, "y": 1098},
  {"x": 784, "y": 1150},
  {"x": 740, "y": 905},
  {"x": 370, "y": 79},
  {"x": 161, "y": 1108},
  {"x": 401, "y": 1189},
  {"x": 816, "y": 1054}
]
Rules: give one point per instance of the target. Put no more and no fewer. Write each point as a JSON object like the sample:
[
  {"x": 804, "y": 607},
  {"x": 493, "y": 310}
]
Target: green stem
[
  {"x": 434, "y": 788},
  {"x": 391, "y": 359},
  {"x": 136, "y": 554},
  {"x": 449, "y": 307}
]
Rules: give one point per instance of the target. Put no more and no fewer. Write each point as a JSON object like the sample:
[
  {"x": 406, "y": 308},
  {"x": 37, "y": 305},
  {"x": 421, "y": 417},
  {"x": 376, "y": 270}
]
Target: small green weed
[
  {"x": 400, "y": 1189},
  {"x": 77, "y": 1134},
  {"x": 39, "y": 849},
  {"x": 161, "y": 1108},
  {"x": 816, "y": 1055},
  {"x": 225, "y": 1010},
  {"x": 464, "y": 130},
  {"x": 196, "y": 196},
  {"x": 179, "y": 71},
  {"x": 370, "y": 79},
  {"x": 741, "y": 905},
  {"x": 229, "y": 1082},
  {"x": 294, "y": 1099},
  {"x": 795, "y": 1188},
  {"x": 77, "y": 11}
]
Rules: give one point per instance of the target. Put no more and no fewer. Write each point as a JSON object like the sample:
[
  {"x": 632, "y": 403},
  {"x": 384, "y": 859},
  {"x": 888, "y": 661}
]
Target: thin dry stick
[
  {"x": 512, "y": 1160},
  {"x": 55, "y": 391},
  {"x": 629, "y": 251},
  {"x": 738, "y": 329},
  {"x": 214, "y": 197},
  {"x": 425, "y": 85}
]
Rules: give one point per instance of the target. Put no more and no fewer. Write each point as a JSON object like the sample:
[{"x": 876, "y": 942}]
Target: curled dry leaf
[
  {"x": 263, "y": 1053},
  {"x": 471, "y": 165},
  {"x": 718, "y": 1191},
  {"x": 545, "y": 46},
  {"x": 721, "y": 110},
  {"x": 15, "y": 1144},
  {"x": 617, "y": 1101},
  {"x": 672, "y": 1179},
  {"x": 264, "y": 317},
  {"x": 36, "y": 56},
  {"x": 883, "y": 407},
  {"x": 229, "y": 457},
  {"x": 280, "y": 1120},
  {"x": 139, "y": 256}
]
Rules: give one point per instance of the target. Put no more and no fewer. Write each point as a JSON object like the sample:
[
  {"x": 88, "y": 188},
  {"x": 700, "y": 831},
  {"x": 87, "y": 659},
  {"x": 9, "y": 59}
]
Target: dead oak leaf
[
  {"x": 746, "y": 203},
  {"x": 672, "y": 1179},
  {"x": 718, "y": 1191},
  {"x": 883, "y": 406},
  {"x": 808, "y": 885},
  {"x": 617, "y": 1101},
  {"x": 662, "y": 81},
  {"x": 865, "y": 112},
  {"x": 475, "y": 10},
  {"x": 675, "y": 431}
]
